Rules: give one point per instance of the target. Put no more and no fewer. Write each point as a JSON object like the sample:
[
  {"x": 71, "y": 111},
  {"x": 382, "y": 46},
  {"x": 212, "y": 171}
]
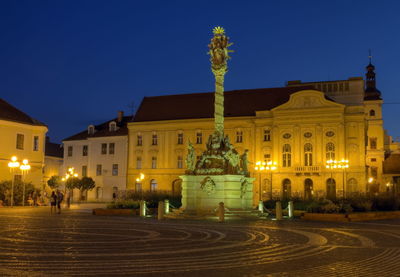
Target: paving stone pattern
[{"x": 75, "y": 243}]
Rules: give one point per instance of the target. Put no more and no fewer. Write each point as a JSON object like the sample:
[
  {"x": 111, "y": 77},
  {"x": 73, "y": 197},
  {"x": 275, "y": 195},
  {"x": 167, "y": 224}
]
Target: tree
[
  {"x": 54, "y": 182},
  {"x": 85, "y": 184},
  {"x": 72, "y": 183}
]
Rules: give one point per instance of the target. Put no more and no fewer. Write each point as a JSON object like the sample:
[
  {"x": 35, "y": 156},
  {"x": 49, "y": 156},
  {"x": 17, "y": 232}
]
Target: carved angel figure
[{"x": 191, "y": 158}]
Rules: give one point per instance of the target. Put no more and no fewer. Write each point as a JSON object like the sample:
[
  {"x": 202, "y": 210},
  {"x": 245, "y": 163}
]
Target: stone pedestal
[{"x": 203, "y": 193}]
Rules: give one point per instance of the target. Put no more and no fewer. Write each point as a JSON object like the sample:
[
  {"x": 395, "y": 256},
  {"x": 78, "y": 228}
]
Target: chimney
[{"x": 120, "y": 116}]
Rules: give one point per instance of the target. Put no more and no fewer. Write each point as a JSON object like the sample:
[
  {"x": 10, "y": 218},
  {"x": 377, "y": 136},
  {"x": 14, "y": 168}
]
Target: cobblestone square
[{"x": 75, "y": 243}]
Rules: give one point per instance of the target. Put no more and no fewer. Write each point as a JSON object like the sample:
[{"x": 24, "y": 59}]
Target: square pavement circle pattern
[{"x": 35, "y": 243}]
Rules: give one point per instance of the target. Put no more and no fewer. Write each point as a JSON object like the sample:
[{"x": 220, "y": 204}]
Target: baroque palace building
[
  {"x": 23, "y": 137},
  {"x": 299, "y": 127}
]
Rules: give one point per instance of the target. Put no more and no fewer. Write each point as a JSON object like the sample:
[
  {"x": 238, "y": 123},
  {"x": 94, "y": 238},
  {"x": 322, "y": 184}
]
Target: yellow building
[
  {"x": 300, "y": 127},
  {"x": 23, "y": 137}
]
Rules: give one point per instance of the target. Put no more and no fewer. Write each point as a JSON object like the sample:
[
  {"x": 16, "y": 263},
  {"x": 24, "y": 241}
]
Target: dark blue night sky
[{"x": 73, "y": 63}]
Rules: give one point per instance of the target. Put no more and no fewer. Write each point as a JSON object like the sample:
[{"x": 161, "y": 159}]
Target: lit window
[
  {"x": 36, "y": 143},
  {"x": 153, "y": 185},
  {"x": 267, "y": 135},
  {"x": 84, "y": 170},
  {"x": 373, "y": 143},
  {"x": 239, "y": 136},
  {"x": 286, "y": 156},
  {"x": 153, "y": 162},
  {"x": 99, "y": 170},
  {"x": 330, "y": 151},
  {"x": 85, "y": 149},
  {"x": 20, "y": 141},
  {"x": 267, "y": 157},
  {"x": 199, "y": 138},
  {"x": 104, "y": 148},
  {"x": 180, "y": 162},
  {"x": 308, "y": 154},
  {"x": 115, "y": 170},
  {"x": 180, "y": 138},
  {"x": 139, "y": 140},
  {"x": 154, "y": 140},
  {"x": 138, "y": 162},
  {"x": 111, "y": 148}
]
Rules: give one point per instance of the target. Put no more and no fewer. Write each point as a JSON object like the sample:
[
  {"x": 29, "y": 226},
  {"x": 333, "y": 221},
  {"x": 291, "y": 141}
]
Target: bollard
[
  {"x": 166, "y": 206},
  {"x": 290, "y": 209},
  {"x": 221, "y": 212},
  {"x": 278, "y": 210},
  {"x": 261, "y": 206},
  {"x": 161, "y": 208},
  {"x": 142, "y": 208}
]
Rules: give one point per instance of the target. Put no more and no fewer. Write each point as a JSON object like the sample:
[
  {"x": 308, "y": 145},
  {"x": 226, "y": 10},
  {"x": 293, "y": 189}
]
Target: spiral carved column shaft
[{"x": 219, "y": 103}]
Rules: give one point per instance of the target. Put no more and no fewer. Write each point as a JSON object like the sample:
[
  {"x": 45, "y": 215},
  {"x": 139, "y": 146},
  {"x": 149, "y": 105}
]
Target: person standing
[
  {"x": 60, "y": 198},
  {"x": 53, "y": 201}
]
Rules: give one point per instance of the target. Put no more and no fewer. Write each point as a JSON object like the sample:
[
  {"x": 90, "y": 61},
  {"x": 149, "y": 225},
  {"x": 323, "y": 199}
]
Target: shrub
[
  {"x": 153, "y": 197},
  {"x": 329, "y": 207},
  {"x": 124, "y": 204},
  {"x": 5, "y": 192}
]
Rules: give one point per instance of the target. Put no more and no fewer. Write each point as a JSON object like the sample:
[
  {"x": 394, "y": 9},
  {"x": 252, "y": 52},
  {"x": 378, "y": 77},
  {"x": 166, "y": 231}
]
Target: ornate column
[{"x": 219, "y": 56}]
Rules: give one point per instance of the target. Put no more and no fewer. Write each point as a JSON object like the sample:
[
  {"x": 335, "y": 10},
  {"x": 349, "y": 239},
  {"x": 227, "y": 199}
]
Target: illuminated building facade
[{"x": 300, "y": 127}]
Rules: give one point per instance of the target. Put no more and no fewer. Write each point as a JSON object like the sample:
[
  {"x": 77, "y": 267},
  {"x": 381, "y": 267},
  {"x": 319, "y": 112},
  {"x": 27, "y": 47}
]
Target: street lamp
[
  {"x": 341, "y": 164},
  {"x": 25, "y": 167},
  {"x": 267, "y": 166},
  {"x": 139, "y": 180},
  {"x": 13, "y": 165}
]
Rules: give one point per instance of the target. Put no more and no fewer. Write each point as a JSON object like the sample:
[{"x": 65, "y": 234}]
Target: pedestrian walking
[
  {"x": 53, "y": 201},
  {"x": 60, "y": 198}
]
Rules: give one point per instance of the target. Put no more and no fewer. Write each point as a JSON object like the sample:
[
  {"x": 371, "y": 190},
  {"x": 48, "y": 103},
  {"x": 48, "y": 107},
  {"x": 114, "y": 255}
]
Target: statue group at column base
[
  {"x": 202, "y": 193},
  {"x": 219, "y": 175}
]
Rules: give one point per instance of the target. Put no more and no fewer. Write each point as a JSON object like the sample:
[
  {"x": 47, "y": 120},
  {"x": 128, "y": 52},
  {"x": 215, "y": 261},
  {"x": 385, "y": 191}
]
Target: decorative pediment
[{"x": 308, "y": 99}]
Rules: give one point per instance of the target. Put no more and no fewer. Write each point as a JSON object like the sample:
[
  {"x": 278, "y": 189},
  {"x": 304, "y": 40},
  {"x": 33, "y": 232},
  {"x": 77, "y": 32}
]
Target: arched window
[
  {"x": 330, "y": 151},
  {"x": 331, "y": 189},
  {"x": 286, "y": 155},
  {"x": 308, "y": 154},
  {"x": 286, "y": 189},
  {"x": 372, "y": 113},
  {"x": 308, "y": 189},
  {"x": 351, "y": 186},
  {"x": 153, "y": 185}
]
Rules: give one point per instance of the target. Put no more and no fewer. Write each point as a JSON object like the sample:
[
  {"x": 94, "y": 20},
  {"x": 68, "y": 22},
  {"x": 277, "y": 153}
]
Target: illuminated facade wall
[
  {"x": 296, "y": 135},
  {"x": 31, "y": 148}
]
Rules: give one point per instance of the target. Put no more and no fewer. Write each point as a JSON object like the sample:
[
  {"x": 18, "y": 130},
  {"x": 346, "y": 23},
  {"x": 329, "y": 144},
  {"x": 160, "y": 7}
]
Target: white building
[{"x": 100, "y": 152}]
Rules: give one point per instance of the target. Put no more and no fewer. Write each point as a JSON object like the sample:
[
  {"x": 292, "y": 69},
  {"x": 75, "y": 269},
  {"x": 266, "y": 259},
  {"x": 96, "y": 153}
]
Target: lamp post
[
  {"x": 70, "y": 173},
  {"x": 13, "y": 165},
  {"x": 25, "y": 167},
  {"x": 139, "y": 180},
  {"x": 267, "y": 166},
  {"x": 341, "y": 164}
]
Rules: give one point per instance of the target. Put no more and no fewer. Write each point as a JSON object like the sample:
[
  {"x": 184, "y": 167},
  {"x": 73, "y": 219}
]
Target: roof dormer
[
  {"x": 112, "y": 126},
  {"x": 91, "y": 130}
]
